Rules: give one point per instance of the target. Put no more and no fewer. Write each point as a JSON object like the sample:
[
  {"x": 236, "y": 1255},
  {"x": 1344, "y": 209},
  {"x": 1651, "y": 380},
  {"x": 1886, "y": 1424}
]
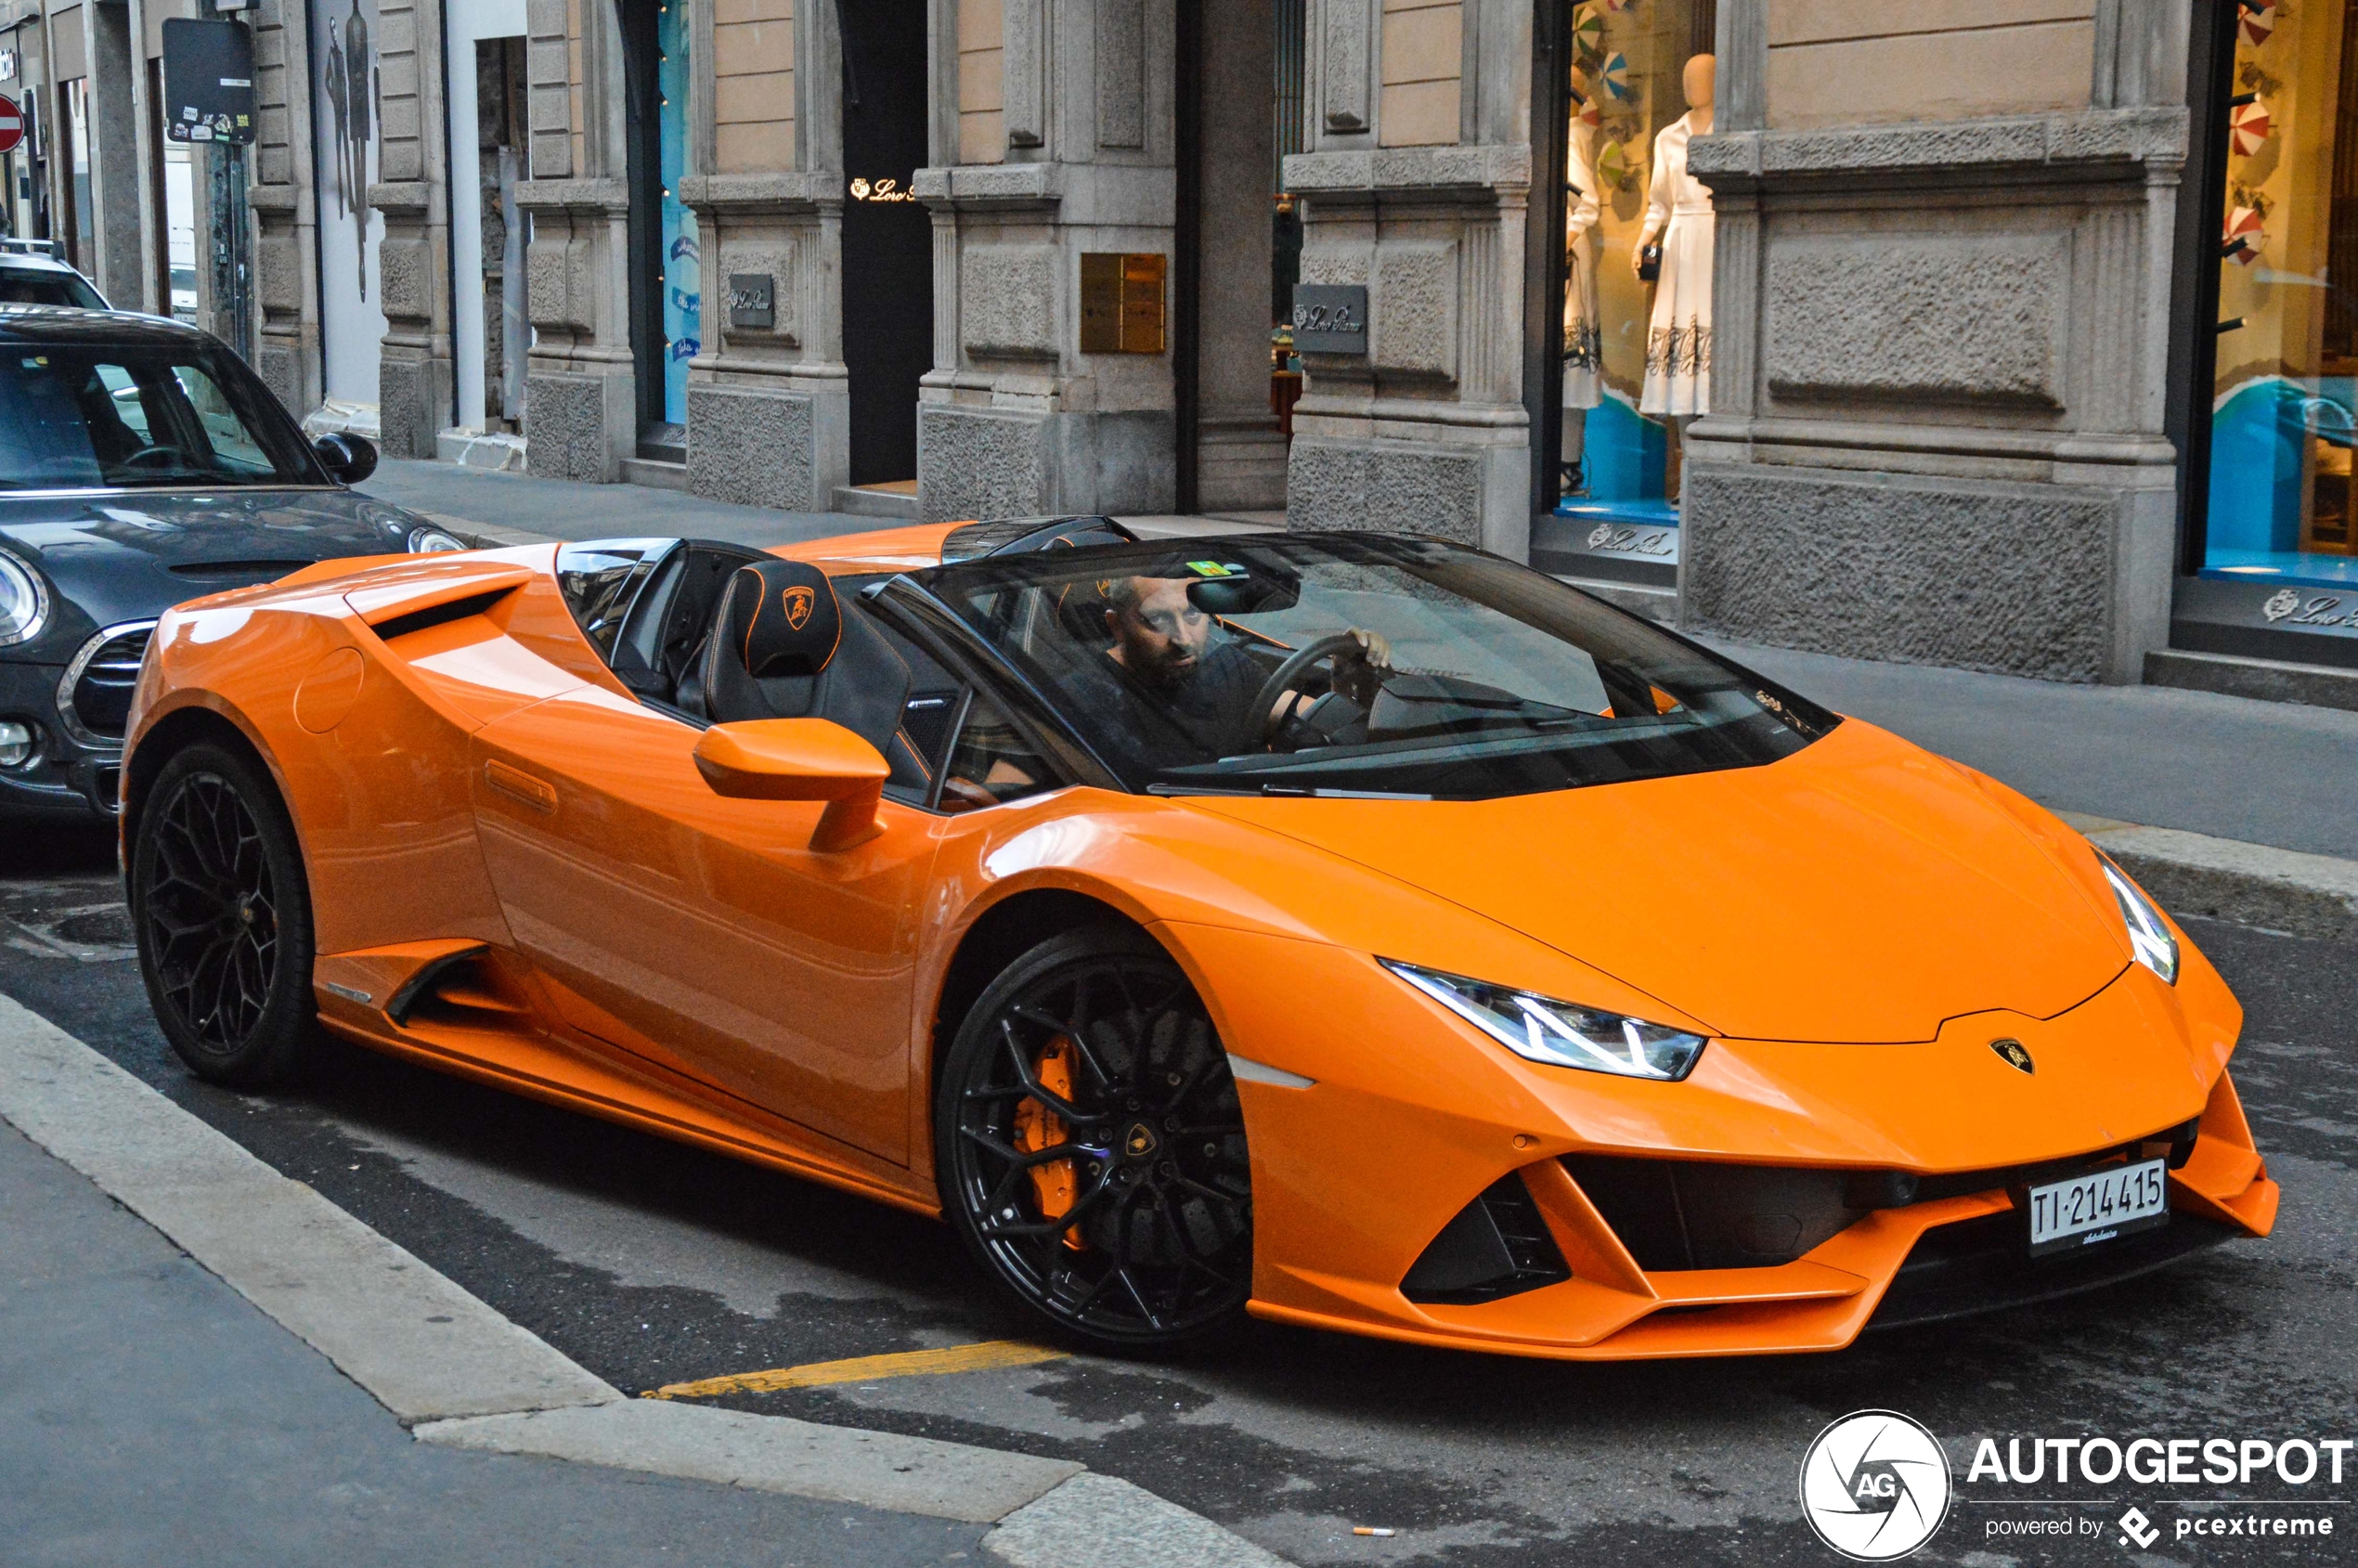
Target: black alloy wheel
[
  {"x": 222, "y": 912},
  {"x": 1091, "y": 1147}
]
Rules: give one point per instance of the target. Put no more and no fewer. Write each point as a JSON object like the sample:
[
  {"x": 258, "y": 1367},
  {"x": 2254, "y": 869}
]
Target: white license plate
[{"x": 2098, "y": 1207}]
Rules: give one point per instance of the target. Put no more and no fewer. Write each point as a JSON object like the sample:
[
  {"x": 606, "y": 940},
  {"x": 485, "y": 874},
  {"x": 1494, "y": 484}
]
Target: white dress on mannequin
[
  {"x": 1584, "y": 343},
  {"x": 1678, "y": 337}
]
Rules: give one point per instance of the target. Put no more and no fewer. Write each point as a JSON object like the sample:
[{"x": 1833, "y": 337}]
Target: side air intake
[{"x": 1497, "y": 1246}]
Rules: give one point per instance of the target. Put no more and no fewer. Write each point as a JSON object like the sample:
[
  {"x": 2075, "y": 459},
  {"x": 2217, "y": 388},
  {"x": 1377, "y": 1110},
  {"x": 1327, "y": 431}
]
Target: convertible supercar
[{"x": 1363, "y": 932}]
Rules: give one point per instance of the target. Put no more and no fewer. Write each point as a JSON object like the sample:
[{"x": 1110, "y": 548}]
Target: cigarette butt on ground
[{"x": 1369, "y": 1530}]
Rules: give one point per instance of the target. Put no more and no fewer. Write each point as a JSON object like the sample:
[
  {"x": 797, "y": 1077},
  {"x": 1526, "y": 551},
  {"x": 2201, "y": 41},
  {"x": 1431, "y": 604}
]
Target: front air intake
[{"x": 1497, "y": 1246}]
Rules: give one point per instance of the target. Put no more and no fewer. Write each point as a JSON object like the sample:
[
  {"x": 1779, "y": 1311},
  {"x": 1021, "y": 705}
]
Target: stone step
[
  {"x": 655, "y": 473},
  {"x": 876, "y": 500},
  {"x": 2236, "y": 675}
]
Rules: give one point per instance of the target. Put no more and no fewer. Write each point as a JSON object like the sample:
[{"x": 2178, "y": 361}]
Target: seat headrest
[{"x": 783, "y": 618}]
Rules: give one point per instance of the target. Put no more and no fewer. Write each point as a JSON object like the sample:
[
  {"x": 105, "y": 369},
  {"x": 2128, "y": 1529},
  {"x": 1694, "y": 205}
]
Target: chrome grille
[{"x": 94, "y": 697}]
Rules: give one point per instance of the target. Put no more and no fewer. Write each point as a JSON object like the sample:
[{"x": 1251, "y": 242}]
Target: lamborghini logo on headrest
[
  {"x": 2014, "y": 1053},
  {"x": 799, "y": 601}
]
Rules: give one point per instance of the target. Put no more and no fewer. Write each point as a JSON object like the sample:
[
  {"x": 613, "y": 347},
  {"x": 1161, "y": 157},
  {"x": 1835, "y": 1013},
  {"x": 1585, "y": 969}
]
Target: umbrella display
[
  {"x": 2255, "y": 24},
  {"x": 1613, "y": 77},
  {"x": 2249, "y": 127},
  {"x": 2241, "y": 239}
]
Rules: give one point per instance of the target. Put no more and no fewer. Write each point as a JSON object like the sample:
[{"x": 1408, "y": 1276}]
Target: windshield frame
[
  {"x": 279, "y": 435},
  {"x": 919, "y": 595}
]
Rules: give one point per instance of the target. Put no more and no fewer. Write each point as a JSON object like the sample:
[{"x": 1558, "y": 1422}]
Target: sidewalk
[
  {"x": 224, "y": 1374},
  {"x": 562, "y": 508},
  {"x": 149, "y": 1414}
]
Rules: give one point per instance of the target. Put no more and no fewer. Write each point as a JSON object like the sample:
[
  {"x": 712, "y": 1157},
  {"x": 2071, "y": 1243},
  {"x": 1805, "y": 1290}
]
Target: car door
[{"x": 701, "y": 932}]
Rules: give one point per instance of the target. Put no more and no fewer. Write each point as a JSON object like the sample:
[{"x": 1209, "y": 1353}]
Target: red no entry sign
[{"x": 12, "y": 124}]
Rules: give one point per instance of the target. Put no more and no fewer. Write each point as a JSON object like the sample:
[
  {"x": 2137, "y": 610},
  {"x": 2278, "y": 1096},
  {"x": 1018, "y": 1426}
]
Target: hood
[
  {"x": 130, "y": 555},
  {"x": 1861, "y": 891}
]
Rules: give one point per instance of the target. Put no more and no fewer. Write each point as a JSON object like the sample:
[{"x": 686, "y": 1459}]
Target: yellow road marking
[{"x": 866, "y": 1368}]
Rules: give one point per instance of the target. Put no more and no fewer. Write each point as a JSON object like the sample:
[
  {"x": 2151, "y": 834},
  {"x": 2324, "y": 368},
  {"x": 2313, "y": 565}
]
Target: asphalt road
[{"x": 652, "y": 1264}]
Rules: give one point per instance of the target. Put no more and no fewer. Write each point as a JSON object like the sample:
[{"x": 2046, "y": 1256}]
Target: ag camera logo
[{"x": 1875, "y": 1485}]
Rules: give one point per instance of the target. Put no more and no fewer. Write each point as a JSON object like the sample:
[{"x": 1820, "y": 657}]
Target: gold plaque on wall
[{"x": 1121, "y": 302}]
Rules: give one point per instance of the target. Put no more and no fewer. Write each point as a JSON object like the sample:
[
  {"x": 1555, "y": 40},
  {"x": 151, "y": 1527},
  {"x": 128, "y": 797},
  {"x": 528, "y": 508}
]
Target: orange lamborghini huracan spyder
[{"x": 1357, "y": 932}]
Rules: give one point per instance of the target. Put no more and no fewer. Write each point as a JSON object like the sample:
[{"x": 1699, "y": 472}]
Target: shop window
[
  {"x": 2284, "y": 398},
  {"x": 1636, "y": 342}
]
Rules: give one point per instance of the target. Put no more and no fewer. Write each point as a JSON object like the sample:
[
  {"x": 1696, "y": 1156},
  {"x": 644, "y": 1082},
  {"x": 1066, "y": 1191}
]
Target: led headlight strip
[
  {"x": 2149, "y": 936},
  {"x": 1541, "y": 1028}
]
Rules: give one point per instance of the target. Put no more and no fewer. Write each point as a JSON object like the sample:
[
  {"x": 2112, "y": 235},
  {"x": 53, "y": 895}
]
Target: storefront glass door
[{"x": 2284, "y": 414}]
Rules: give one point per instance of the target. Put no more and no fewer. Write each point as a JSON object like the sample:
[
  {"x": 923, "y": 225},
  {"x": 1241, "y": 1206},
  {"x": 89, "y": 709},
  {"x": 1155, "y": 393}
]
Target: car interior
[{"x": 710, "y": 633}]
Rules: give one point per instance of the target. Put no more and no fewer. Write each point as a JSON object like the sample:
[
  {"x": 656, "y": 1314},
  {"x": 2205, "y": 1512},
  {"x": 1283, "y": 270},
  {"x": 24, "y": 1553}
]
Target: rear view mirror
[
  {"x": 1227, "y": 589},
  {"x": 800, "y": 760},
  {"x": 348, "y": 459}
]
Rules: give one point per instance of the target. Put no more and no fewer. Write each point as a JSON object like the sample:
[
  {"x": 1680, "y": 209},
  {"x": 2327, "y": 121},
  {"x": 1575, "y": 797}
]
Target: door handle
[{"x": 517, "y": 785}]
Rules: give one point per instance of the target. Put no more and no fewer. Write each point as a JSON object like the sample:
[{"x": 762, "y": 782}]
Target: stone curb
[
  {"x": 460, "y": 1375},
  {"x": 2193, "y": 873}
]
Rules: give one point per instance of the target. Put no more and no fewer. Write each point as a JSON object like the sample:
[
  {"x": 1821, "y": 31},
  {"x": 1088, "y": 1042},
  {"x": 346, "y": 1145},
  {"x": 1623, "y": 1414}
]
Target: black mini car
[{"x": 141, "y": 465}]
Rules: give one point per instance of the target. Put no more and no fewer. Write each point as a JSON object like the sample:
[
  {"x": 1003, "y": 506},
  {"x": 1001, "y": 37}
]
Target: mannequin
[
  {"x": 1582, "y": 340},
  {"x": 1679, "y": 214}
]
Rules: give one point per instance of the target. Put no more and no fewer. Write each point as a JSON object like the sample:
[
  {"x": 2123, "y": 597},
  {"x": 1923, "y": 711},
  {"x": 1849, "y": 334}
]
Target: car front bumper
[
  {"x": 65, "y": 777},
  {"x": 1359, "y": 1172}
]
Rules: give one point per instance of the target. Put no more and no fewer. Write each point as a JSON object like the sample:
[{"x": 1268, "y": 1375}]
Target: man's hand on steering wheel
[
  {"x": 1358, "y": 663},
  {"x": 1361, "y": 676}
]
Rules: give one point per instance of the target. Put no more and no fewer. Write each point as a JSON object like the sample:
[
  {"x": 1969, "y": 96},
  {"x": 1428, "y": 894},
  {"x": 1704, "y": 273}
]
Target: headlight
[
  {"x": 434, "y": 541},
  {"x": 2149, "y": 936},
  {"x": 24, "y": 601},
  {"x": 18, "y": 742},
  {"x": 1541, "y": 1028}
]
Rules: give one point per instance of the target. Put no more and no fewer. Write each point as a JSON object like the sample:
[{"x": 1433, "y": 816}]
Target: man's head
[{"x": 1159, "y": 634}]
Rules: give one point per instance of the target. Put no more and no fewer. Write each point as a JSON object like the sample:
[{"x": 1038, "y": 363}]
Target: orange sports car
[{"x": 1362, "y": 932}]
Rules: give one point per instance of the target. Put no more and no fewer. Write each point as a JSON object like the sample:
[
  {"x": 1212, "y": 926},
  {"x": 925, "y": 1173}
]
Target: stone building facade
[{"x": 942, "y": 258}]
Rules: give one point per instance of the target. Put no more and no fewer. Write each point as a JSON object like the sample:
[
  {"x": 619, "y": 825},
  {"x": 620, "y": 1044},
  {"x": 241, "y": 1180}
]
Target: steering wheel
[
  {"x": 155, "y": 458},
  {"x": 1288, "y": 676}
]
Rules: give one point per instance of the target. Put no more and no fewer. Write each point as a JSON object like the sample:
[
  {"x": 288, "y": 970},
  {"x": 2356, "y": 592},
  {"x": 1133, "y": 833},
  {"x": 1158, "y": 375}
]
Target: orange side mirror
[{"x": 800, "y": 760}]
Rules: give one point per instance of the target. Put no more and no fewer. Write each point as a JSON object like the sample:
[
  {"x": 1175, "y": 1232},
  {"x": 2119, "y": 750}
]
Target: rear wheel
[
  {"x": 1091, "y": 1147},
  {"x": 222, "y": 912}
]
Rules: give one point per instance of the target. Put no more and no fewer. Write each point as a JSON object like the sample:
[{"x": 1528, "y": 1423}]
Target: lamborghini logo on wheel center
[
  {"x": 1139, "y": 1142},
  {"x": 2014, "y": 1053},
  {"x": 797, "y": 604}
]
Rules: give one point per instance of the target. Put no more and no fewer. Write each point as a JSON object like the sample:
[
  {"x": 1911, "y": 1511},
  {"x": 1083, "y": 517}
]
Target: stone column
[
  {"x": 1938, "y": 433},
  {"x": 414, "y": 371},
  {"x": 284, "y": 200},
  {"x": 1421, "y": 195},
  {"x": 769, "y": 408},
  {"x": 580, "y": 414},
  {"x": 114, "y": 155},
  {"x": 1014, "y": 418}
]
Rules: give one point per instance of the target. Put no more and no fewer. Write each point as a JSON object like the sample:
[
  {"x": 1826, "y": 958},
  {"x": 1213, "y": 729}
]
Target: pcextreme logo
[{"x": 1875, "y": 1485}]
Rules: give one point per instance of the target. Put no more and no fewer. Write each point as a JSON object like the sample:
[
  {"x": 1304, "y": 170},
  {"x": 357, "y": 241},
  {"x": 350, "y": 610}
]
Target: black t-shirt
[{"x": 1201, "y": 717}]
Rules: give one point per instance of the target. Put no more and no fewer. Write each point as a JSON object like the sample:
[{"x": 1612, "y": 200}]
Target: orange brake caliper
[{"x": 1037, "y": 1127}]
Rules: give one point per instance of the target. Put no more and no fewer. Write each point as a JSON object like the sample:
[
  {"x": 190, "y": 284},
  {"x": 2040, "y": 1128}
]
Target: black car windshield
[
  {"x": 86, "y": 415},
  {"x": 1360, "y": 666},
  {"x": 41, "y": 285}
]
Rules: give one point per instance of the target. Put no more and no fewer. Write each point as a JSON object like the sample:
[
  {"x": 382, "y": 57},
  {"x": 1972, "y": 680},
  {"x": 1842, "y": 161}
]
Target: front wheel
[
  {"x": 222, "y": 912},
  {"x": 1091, "y": 1147}
]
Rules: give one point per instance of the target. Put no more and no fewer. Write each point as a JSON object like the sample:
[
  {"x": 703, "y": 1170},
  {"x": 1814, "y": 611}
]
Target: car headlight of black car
[
  {"x": 24, "y": 601},
  {"x": 2149, "y": 936},
  {"x": 1540, "y": 1029},
  {"x": 430, "y": 541}
]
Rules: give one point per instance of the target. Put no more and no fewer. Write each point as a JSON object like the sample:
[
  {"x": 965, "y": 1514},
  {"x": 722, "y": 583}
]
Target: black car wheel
[
  {"x": 222, "y": 912},
  {"x": 1091, "y": 1148}
]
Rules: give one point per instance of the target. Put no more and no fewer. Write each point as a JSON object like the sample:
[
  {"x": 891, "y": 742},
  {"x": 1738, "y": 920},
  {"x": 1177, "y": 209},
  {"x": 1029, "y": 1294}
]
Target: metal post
[{"x": 232, "y": 235}]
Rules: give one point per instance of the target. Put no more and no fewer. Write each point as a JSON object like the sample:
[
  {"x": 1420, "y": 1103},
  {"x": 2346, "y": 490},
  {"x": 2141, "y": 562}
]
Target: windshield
[
  {"x": 1360, "y": 667},
  {"x": 28, "y": 285},
  {"x": 90, "y": 416}
]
